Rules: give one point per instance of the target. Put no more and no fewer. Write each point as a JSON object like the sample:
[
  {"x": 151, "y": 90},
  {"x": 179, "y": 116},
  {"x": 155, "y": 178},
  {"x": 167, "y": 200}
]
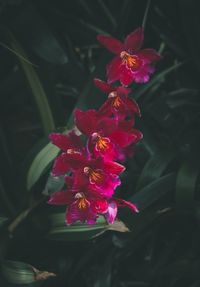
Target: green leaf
[
  {"x": 53, "y": 184},
  {"x": 186, "y": 185},
  {"x": 78, "y": 231},
  {"x": 36, "y": 87},
  {"x": 40, "y": 163},
  {"x": 3, "y": 220},
  {"x": 154, "y": 190},
  {"x": 154, "y": 167},
  {"x": 17, "y": 272}
]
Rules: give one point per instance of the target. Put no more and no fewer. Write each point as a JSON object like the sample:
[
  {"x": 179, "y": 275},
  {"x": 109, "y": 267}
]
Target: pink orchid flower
[
  {"x": 105, "y": 134},
  {"x": 131, "y": 64},
  {"x": 118, "y": 102}
]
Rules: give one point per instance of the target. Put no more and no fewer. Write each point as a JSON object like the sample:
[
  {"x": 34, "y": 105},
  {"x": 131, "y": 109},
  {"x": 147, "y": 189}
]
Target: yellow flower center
[
  {"x": 82, "y": 202},
  {"x": 95, "y": 175},
  {"x": 131, "y": 61},
  {"x": 102, "y": 143},
  {"x": 117, "y": 102}
]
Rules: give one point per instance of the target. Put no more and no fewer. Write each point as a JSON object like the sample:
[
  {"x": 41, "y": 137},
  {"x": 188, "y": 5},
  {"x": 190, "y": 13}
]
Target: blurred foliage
[{"x": 49, "y": 57}]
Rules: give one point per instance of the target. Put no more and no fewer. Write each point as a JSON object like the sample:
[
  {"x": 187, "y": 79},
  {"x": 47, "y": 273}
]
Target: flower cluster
[{"x": 92, "y": 170}]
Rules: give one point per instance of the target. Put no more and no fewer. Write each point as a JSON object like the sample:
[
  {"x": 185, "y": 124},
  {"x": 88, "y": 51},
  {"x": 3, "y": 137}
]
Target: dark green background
[{"x": 59, "y": 39}]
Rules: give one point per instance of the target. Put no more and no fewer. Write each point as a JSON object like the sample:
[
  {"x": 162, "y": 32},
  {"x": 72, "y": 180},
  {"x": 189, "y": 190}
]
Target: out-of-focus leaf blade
[
  {"x": 18, "y": 272},
  {"x": 155, "y": 190},
  {"x": 40, "y": 163},
  {"x": 21, "y": 273},
  {"x": 155, "y": 80},
  {"x": 186, "y": 185},
  {"x": 78, "y": 231},
  {"x": 53, "y": 184},
  {"x": 154, "y": 167},
  {"x": 36, "y": 87}
]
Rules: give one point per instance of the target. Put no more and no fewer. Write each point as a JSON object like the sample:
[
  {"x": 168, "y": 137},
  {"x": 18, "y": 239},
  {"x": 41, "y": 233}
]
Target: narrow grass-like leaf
[
  {"x": 107, "y": 13},
  {"x": 36, "y": 87},
  {"x": 93, "y": 28},
  {"x": 146, "y": 13},
  {"x": 155, "y": 80}
]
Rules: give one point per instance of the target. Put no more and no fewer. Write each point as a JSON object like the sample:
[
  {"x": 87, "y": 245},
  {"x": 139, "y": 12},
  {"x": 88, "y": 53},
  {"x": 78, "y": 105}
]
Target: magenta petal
[
  {"x": 113, "y": 167},
  {"x": 65, "y": 142},
  {"x": 74, "y": 214},
  {"x": 61, "y": 141},
  {"x": 149, "y": 55},
  {"x": 122, "y": 90},
  {"x": 99, "y": 206},
  {"x": 61, "y": 165},
  {"x": 103, "y": 86},
  {"x": 80, "y": 179},
  {"x": 134, "y": 40},
  {"x": 112, "y": 212},
  {"x": 106, "y": 108},
  {"x": 126, "y": 76},
  {"x": 114, "y": 69},
  {"x": 123, "y": 203},
  {"x": 112, "y": 44},
  {"x": 86, "y": 121},
  {"x": 106, "y": 125},
  {"x": 143, "y": 75},
  {"x": 123, "y": 138},
  {"x": 60, "y": 198},
  {"x": 137, "y": 135}
]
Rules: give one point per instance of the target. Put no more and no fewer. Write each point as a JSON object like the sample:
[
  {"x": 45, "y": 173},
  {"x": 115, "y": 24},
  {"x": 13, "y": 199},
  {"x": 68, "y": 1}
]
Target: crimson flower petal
[
  {"x": 99, "y": 206},
  {"x": 126, "y": 76},
  {"x": 149, "y": 55},
  {"x": 123, "y": 203},
  {"x": 106, "y": 125},
  {"x": 61, "y": 198},
  {"x": 134, "y": 40},
  {"x": 113, "y": 167},
  {"x": 86, "y": 121},
  {"x": 143, "y": 75},
  {"x": 123, "y": 138},
  {"x": 113, "y": 45},
  {"x": 61, "y": 165},
  {"x": 106, "y": 109},
  {"x": 73, "y": 214},
  {"x": 67, "y": 162},
  {"x": 113, "y": 70},
  {"x": 65, "y": 142},
  {"x": 103, "y": 86},
  {"x": 122, "y": 90}
]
